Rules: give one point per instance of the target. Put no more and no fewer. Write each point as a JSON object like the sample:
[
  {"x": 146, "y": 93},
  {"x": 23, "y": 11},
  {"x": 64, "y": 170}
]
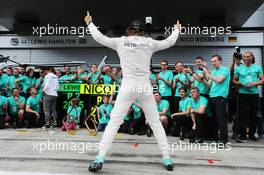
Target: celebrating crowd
[{"x": 193, "y": 102}]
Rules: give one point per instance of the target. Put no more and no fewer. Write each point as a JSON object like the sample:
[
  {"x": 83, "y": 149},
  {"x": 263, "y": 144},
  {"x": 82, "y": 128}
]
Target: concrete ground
[{"x": 34, "y": 151}]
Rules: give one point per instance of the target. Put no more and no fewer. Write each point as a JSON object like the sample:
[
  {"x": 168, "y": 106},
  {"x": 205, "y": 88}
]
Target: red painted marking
[
  {"x": 211, "y": 161},
  {"x": 135, "y": 145}
]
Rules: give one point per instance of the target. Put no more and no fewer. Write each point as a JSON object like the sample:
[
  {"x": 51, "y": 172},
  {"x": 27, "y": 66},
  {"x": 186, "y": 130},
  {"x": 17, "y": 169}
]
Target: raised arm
[
  {"x": 170, "y": 41},
  {"x": 98, "y": 36}
]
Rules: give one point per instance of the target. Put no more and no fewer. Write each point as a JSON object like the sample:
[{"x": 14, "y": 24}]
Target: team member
[
  {"x": 103, "y": 113},
  {"x": 50, "y": 88},
  {"x": 198, "y": 75},
  {"x": 3, "y": 111},
  {"x": 33, "y": 110},
  {"x": 106, "y": 75},
  {"x": 16, "y": 104},
  {"x": 3, "y": 80},
  {"x": 164, "y": 79},
  {"x": 31, "y": 77},
  {"x": 182, "y": 118},
  {"x": 218, "y": 80},
  {"x": 181, "y": 79},
  {"x": 163, "y": 109},
  {"x": 68, "y": 77},
  {"x": 198, "y": 114},
  {"x": 135, "y": 52},
  {"x": 93, "y": 76},
  {"x": 73, "y": 116},
  {"x": 248, "y": 77}
]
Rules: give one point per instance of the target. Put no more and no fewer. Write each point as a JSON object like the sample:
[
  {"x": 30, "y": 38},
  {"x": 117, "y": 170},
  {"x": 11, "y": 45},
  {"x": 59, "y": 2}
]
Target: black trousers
[
  {"x": 32, "y": 121},
  {"x": 2, "y": 121},
  {"x": 247, "y": 112},
  {"x": 184, "y": 123},
  {"x": 218, "y": 107}
]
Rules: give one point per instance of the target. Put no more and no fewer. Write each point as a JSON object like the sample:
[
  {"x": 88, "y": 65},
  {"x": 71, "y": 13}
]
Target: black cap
[{"x": 136, "y": 24}]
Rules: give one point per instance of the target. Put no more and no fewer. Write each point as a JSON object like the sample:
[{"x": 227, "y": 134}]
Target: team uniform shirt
[
  {"x": 80, "y": 76},
  {"x": 105, "y": 111},
  {"x": 164, "y": 104},
  {"x": 3, "y": 81},
  {"x": 40, "y": 89},
  {"x": 34, "y": 103},
  {"x": 221, "y": 89},
  {"x": 135, "y": 52},
  {"x": 3, "y": 101},
  {"x": 13, "y": 105},
  {"x": 94, "y": 77},
  {"x": 152, "y": 77},
  {"x": 184, "y": 104},
  {"x": 182, "y": 77},
  {"x": 32, "y": 81},
  {"x": 51, "y": 84},
  {"x": 66, "y": 78},
  {"x": 107, "y": 79},
  {"x": 12, "y": 80},
  {"x": 200, "y": 85},
  {"x": 246, "y": 75},
  {"x": 201, "y": 102},
  {"x": 74, "y": 114},
  {"x": 24, "y": 81},
  {"x": 164, "y": 89},
  {"x": 136, "y": 111}
]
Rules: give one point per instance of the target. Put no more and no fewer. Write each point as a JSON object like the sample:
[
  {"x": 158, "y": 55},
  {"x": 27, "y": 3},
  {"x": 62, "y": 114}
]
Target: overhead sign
[{"x": 234, "y": 39}]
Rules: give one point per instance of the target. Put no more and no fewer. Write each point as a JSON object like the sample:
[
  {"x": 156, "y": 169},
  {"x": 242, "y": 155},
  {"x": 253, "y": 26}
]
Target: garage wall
[{"x": 94, "y": 55}]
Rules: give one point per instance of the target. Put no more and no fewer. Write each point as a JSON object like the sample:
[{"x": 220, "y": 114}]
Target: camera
[{"x": 237, "y": 53}]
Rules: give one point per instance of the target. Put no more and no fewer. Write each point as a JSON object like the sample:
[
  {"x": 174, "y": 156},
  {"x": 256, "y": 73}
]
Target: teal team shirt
[
  {"x": 221, "y": 89},
  {"x": 24, "y": 81},
  {"x": 164, "y": 89},
  {"x": 3, "y": 81},
  {"x": 94, "y": 76},
  {"x": 32, "y": 81},
  {"x": 34, "y": 103},
  {"x": 66, "y": 78},
  {"x": 184, "y": 104},
  {"x": 105, "y": 111},
  {"x": 200, "y": 85},
  {"x": 81, "y": 76},
  {"x": 201, "y": 102},
  {"x": 137, "y": 111},
  {"x": 40, "y": 89},
  {"x": 3, "y": 101},
  {"x": 152, "y": 77},
  {"x": 74, "y": 114},
  {"x": 246, "y": 75},
  {"x": 13, "y": 105},
  {"x": 164, "y": 104},
  {"x": 182, "y": 77},
  {"x": 107, "y": 79}
]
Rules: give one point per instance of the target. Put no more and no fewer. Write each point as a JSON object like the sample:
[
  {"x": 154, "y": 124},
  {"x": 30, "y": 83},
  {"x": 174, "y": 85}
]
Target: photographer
[
  {"x": 248, "y": 77},
  {"x": 233, "y": 93}
]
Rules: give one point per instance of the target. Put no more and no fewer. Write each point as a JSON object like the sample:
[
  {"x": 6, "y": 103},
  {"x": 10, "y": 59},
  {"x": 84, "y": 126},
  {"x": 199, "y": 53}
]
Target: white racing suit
[{"x": 135, "y": 53}]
